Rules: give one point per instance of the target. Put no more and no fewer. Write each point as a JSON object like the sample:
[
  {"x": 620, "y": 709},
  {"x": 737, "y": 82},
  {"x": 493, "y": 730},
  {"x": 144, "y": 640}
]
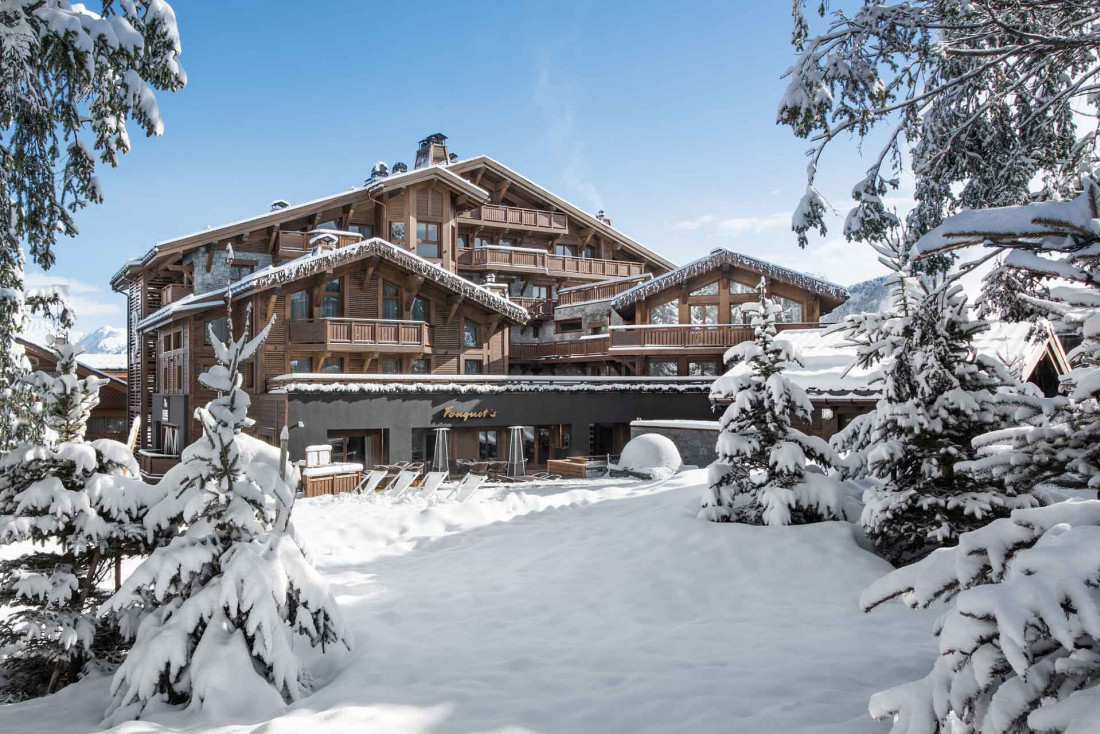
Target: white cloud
[
  {"x": 693, "y": 224},
  {"x": 93, "y": 304},
  {"x": 837, "y": 260},
  {"x": 735, "y": 226}
]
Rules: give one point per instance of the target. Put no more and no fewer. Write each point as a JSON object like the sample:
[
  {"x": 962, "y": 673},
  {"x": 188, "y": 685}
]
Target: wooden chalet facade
[{"x": 461, "y": 275}]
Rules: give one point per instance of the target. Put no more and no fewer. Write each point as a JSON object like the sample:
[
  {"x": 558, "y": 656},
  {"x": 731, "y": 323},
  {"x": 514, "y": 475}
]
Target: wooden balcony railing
[
  {"x": 173, "y": 292},
  {"x": 539, "y": 308},
  {"x": 514, "y": 217},
  {"x": 292, "y": 245},
  {"x": 583, "y": 347},
  {"x": 523, "y": 259},
  {"x": 594, "y": 292},
  {"x": 362, "y": 332}
]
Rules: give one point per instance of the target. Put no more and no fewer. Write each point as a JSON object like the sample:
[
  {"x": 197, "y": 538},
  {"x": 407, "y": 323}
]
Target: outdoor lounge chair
[
  {"x": 432, "y": 482},
  {"x": 466, "y": 487},
  {"x": 401, "y": 484},
  {"x": 370, "y": 481}
]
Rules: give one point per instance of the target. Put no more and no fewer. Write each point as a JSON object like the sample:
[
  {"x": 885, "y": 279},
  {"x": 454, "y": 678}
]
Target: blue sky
[{"x": 662, "y": 115}]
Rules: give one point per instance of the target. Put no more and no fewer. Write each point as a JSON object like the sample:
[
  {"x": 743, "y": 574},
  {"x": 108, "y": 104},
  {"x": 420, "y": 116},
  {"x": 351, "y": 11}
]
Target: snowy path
[{"x": 583, "y": 611}]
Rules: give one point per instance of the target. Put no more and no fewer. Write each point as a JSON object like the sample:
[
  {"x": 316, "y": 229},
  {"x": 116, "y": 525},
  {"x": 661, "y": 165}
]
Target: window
[
  {"x": 99, "y": 426},
  {"x": 486, "y": 445},
  {"x": 300, "y": 365},
  {"x": 220, "y": 327},
  {"x": 737, "y": 288},
  {"x": 329, "y": 224},
  {"x": 472, "y": 367},
  {"x": 702, "y": 369},
  {"x": 419, "y": 311},
  {"x": 737, "y": 316},
  {"x": 589, "y": 251},
  {"x": 460, "y": 241},
  {"x": 662, "y": 369},
  {"x": 179, "y": 377},
  {"x": 469, "y": 335},
  {"x": 332, "y": 366},
  {"x": 707, "y": 314},
  {"x": 506, "y": 243},
  {"x": 427, "y": 239},
  {"x": 566, "y": 250},
  {"x": 240, "y": 269},
  {"x": 331, "y": 302},
  {"x": 791, "y": 313},
  {"x": 299, "y": 305},
  {"x": 666, "y": 313},
  {"x": 367, "y": 230},
  {"x": 397, "y": 232},
  {"x": 540, "y": 291},
  {"x": 390, "y": 366},
  {"x": 167, "y": 343},
  {"x": 482, "y": 242},
  {"x": 420, "y": 367},
  {"x": 389, "y": 301},
  {"x": 177, "y": 339},
  {"x": 565, "y": 327},
  {"x": 710, "y": 289}
]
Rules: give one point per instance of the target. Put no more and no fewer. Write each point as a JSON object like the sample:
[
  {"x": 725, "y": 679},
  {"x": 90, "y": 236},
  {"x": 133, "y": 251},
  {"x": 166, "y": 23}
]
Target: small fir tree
[
  {"x": 760, "y": 476},
  {"x": 72, "y": 499},
  {"x": 938, "y": 395},
  {"x": 225, "y": 599}
]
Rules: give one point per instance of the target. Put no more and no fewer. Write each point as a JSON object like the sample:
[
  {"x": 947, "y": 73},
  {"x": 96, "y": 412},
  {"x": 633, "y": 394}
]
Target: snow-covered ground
[{"x": 577, "y": 607}]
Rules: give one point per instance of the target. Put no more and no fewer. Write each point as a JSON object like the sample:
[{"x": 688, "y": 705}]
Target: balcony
[
  {"x": 346, "y": 335},
  {"x": 174, "y": 292},
  {"x": 594, "y": 292},
  {"x": 514, "y": 217},
  {"x": 522, "y": 259},
  {"x": 584, "y": 347},
  {"x": 539, "y": 308},
  {"x": 292, "y": 245}
]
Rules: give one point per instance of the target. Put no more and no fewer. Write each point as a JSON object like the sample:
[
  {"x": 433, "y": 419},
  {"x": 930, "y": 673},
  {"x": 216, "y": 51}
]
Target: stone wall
[
  {"x": 695, "y": 442},
  {"x": 219, "y": 272}
]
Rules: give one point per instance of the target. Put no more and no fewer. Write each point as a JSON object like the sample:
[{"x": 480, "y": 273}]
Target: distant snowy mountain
[
  {"x": 104, "y": 340},
  {"x": 867, "y": 295}
]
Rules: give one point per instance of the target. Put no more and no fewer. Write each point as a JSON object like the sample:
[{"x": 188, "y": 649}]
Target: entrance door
[{"x": 601, "y": 438}]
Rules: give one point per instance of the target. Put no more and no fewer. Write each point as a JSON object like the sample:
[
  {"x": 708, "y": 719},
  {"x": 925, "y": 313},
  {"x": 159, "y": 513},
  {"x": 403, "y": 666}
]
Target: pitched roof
[
  {"x": 320, "y": 260},
  {"x": 82, "y": 368},
  {"x": 833, "y": 294}
]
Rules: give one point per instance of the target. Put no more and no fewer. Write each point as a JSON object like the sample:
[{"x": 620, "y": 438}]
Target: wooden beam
[
  {"x": 478, "y": 176},
  {"x": 454, "y": 302},
  {"x": 368, "y": 266},
  {"x": 500, "y": 191},
  {"x": 210, "y": 257},
  {"x": 345, "y": 220},
  {"x": 272, "y": 236},
  {"x": 413, "y": 283},
  {"x": 491, "y": 327},
  {"x": 314, "y": 220},
  {"x": 586, "y": 236},
  {"x": 368, "y": 357}
]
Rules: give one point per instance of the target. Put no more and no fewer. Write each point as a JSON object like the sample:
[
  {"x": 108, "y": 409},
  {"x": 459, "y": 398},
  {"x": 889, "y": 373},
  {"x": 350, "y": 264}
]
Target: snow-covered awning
[
  {"x": 832, "y": 294},
  {"x": 320, "y": 260},
  {"x": 828, "y": 360},
  {"x": 482, "y": 384}
]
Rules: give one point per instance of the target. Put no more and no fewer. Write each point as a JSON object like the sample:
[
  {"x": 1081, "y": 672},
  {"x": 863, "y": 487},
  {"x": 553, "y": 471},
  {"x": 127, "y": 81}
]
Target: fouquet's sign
[{"x": 465, "y": 415}]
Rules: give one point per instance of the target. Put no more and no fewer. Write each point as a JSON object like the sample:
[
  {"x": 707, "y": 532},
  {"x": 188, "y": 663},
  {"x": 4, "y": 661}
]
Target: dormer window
[{"x": 427, "y": 239}]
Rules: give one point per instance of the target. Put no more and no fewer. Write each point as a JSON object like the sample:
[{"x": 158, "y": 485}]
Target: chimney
[
  {"x": 380, "y": 170},
  {"x": 603, "y": 217},
  {"x": 399, "y": 167},
  {"x": 432, "y": 151},
  {"x": 279, "y": 204}
]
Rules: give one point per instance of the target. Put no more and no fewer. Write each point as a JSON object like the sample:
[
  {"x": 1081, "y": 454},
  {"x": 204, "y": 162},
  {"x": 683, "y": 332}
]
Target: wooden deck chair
[
  {"x": 466, "y": 487},
  {"x": 370, "y": 481},
  {"x": 432, "y": 482},
  {"x": 401, "y": 484}
]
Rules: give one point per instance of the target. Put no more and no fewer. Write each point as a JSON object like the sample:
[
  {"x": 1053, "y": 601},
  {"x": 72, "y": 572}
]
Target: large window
[
  {"x": 390, "y": 366},
  {"x": 704, "y": 314},
  {"x": 710, "y": 289},
  {"x": 299, "y": 305},
  {"x": 662, "y": 369},
  {"x": 702, "y": 369},
  {"x": 472, "y": 367},
  {"x": 419, "y": 310},
  {"x": 300, "y": 365},
  {"x": 220, "y": 327},
  {"x": 486, "y": 445},
  {"x": 397, "y": 233},
  {"x": 505, "y": 242},
  {"x": 427, "y": 239},
  {"x": 390, "y": 308},
  {"x": 332, "y": 366},
  {"x": 420, "y": 367},
  {"x": 331, "y": 302},
  {"x": 367, "y": 230},
  {"x": 460, "y": 241},
  {"x": 482, "y": 242},
  {"x": 738, "y": 288},
  {"x": 737, "y": 315},
  {"x": 469, "y": 335},
  {"x": 589, "y": 252},
  {"x": 666, "y": 313},
  {"x": 566, "y": 250},
  {"x": 791, "y": 313}
]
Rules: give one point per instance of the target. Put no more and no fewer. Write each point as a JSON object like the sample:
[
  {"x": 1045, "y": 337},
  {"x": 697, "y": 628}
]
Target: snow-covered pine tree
[
  {"x": 944, "y": 79},
  {"x": 760, "y": 476},
  {"x": 938, "y": 395},
  {"x": 224, "y": 600},
  {"x": 72, "y": 499},
  {"x": 1057, "y": 243},
  {"x": 66, "y": 71},
  {"x": 1019, "y": 646}
]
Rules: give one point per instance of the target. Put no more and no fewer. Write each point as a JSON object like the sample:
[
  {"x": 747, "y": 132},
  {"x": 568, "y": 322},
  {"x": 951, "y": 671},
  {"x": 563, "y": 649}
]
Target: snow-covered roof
[
  {"x": 836, "y": 294},
  {"x": 677, "y": 424},
  {"x": 609, "y": 281},
  {"x": 103, "y": 361},
  {"x": 482, "y": 384},
  {"x": 320, "y": 260},
  {"x": 97, "y": 371},
  {"x": 827, "y": 357},
  {"x": 210, "y": 234},
  {"x": 575, "y": 211}
]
